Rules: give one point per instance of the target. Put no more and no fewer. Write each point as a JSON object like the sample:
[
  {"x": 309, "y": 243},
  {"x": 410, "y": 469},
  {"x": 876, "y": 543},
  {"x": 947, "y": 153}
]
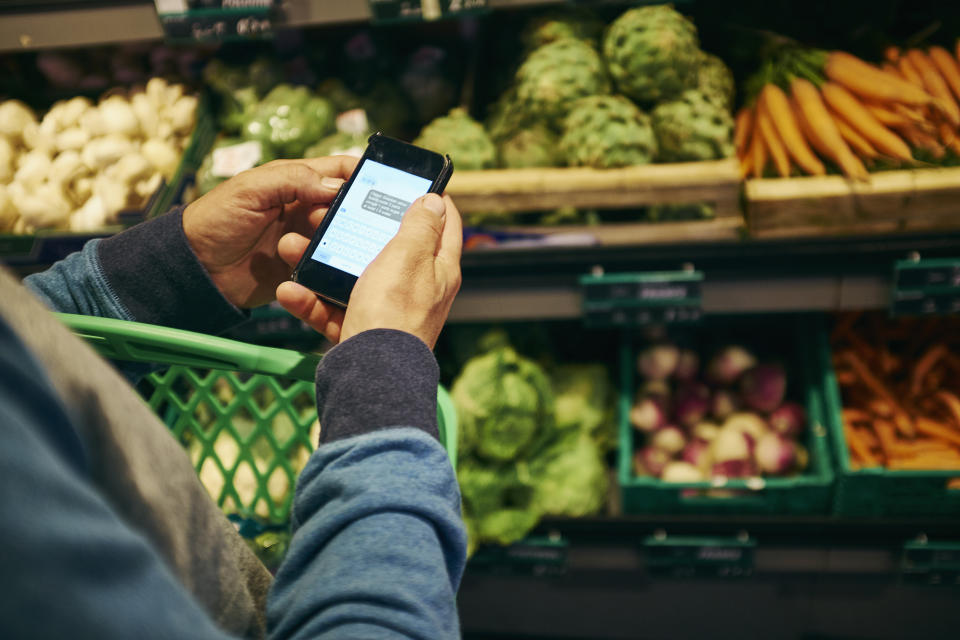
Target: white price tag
[
  {"x": 229, "y": 161},
  {"x": 353, "y": 121},
  {"x": 171, "y": 6}
]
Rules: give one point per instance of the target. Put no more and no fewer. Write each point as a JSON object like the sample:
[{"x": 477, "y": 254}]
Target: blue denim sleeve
[{"x": 379, "y": 546}]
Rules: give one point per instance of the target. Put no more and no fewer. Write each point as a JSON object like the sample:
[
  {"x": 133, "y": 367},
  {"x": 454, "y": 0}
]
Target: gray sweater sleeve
[{"x": 148, "y": 274}]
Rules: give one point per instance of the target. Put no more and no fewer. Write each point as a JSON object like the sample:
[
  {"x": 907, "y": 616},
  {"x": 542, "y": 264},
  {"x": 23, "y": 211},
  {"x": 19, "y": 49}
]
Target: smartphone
[{"x": 366, "y": 213}]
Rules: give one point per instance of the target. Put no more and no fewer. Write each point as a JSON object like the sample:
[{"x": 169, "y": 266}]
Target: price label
[
  {"x": 216, "y": 20},
  {"x": 638, "y": 299},
  {"x": 410, "y": 10},
  {"x": 923, "y": 287},
  {"x": 684, "y": 556},
  {"x": 229, "y": 161}
]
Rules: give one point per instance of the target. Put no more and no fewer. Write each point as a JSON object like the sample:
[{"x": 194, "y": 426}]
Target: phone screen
[{"x": 369, "y": 216}]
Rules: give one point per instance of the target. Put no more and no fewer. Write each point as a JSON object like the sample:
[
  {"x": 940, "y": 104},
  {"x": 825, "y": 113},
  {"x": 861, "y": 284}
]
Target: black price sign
[
  {"x": 411, "y": 10},
  {"x": 922, "y": 287},
  {"x": 216, "y": 20},
  {"x": 638, "y": 299},
  {"x": 686, "y": 556}
]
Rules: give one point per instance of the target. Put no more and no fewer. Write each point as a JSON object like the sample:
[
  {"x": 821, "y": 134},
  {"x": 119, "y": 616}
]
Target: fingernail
[
  {"x": 434, "y": 203},
  {"x": 331, "y": 183}
]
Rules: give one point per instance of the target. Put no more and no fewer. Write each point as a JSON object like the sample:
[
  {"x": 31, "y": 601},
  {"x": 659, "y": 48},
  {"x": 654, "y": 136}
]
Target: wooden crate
[
  {"x": 519, "y": 190},
  {"x": 892, "y": 201}
]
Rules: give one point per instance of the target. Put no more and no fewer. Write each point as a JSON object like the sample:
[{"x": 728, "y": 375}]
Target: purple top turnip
[
  {"x": 670, "y": 439},
  {"x": 688, "y": 365},
  {"x": 692, "y": 404},
  {"x": 697, "y": 453},
  {"x": 650, "y": 461},
  {"x": 763, "y": 387},
  {"x": 648, "y": 415},
  {"x": 723, "y": 403},
  {"x": 729, "y": 364},
  {"x": 681, "y": 472},
  {"x": 775, "y": 454},
  {"x": 658, "y": 362},
  {"x": 788, "y": 420}
]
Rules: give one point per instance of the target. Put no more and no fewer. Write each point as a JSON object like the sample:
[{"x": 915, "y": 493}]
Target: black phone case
[{"x": 439, "y": 184}]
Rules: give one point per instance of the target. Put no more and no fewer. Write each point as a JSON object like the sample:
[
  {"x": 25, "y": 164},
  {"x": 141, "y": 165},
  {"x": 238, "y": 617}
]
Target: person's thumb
[{"x": 422, "y": 224}]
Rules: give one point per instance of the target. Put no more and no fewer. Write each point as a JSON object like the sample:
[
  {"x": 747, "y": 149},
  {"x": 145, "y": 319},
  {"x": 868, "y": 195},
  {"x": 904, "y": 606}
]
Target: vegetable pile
[
  {"x": 530, "y": 444},
  {"x": 812, "y": 107},
  {"x": 82, "y": 164},
  {"x": 900, "y": 393},
  {"x": 727, "y": 419}
]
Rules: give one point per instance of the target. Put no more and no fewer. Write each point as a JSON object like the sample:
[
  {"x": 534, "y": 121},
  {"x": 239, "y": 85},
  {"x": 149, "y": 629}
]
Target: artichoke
[
  {"x": 463, "y": 138},
  {"x": 506, "y": 117},
  {"x": 607, "y": 131},
  {"x": 575, "y": 23},
  {"x": 556, "y": 75},
  {"x": 504, "y": 402},
  {"x": 715, "y": 79},
  {"x": 696, "y": 126},
  {"x": 652, "y": 53},
  {"x": 534, "y": 147}
]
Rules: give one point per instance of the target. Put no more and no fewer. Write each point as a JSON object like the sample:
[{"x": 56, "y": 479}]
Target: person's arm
[
  {"x": 379, "y": 545},
  {"x": 148, "y": 273},
  {"x": 72, "y": 568}
]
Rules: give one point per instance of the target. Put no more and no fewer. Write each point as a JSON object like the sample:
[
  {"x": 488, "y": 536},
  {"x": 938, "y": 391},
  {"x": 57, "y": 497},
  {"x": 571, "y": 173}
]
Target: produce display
[
  {"x": 813, "y": 110},
  {"x": 901, "y": 397},
  {"x": 83, "y": 163},
  {"x": 726, "y": 417},
  {"x": 531, "y": 443},
  {"x": 596, "y": 96}
]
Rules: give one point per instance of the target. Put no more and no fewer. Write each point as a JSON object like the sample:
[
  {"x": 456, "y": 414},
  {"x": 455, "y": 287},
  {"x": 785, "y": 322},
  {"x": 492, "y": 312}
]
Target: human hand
[
  {"x": 235, "y": 229},
  {"x": 409, "y": 286}
]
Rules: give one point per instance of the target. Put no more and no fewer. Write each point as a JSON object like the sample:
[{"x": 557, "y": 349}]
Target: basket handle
[{"x": 138, "y": 342}]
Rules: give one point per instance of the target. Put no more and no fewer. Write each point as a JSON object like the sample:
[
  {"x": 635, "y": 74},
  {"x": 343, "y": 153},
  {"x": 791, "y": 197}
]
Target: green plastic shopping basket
[{"x": 245, "y": 413}]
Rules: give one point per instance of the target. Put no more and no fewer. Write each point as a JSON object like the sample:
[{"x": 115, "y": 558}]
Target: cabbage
[{"x": 503, "y": 401}]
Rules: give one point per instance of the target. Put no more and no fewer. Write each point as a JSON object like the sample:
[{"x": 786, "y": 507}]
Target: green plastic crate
[
  {"x": 243, "y": 412},
  {"x": 878, "y": 492},
  {"x": 807, "y": 493}
]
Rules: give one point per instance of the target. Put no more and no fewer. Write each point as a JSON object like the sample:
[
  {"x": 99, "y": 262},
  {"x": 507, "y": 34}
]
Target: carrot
[
  {"x": 887, "y": 116},
  {"x": 935, "y": 86},
  {"x": 777, "y": 107},
  {"x": 951, "y": 402},
  {"x": 904, "y": 424},
  {"x": 948, "y": 67},
  {"x": 881, "y": 408},
  {"x": 822, "y": 128},
  {"x": 869, "y": 438},
  {"x": 909, "y": 72},
  {"x": 886, "y": 436},
  {"x": 743, "y": 128},
  {"x": 772, "y": 141},
  {"x": 921, "y": 140},
  {"x": 925, "y": 463},
  {"x": 924, "y": 365},
  {"x": 891, "y": 54},
  {"x": 757, "y": 153},
  {"x": 871, "y": 82},
  {"x": 859, "y": 447},
  {"x": 949, "y": 137},
  {"x": 857, "y": 116},
  {"x": 855, "y": 415},
  {"x": 938, "y": 430},
  {"x": 855, "y": 140},
  {"x": 869, "y": 380}
]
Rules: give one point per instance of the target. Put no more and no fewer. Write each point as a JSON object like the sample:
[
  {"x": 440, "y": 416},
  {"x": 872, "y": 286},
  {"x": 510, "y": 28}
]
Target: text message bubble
[{"x": 385, "y": 205}]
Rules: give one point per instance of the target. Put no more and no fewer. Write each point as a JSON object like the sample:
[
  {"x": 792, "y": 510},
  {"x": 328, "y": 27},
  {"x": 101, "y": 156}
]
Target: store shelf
[
  {"x": 824, "y": 274},
  {"x": 29, "y": 26}
]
